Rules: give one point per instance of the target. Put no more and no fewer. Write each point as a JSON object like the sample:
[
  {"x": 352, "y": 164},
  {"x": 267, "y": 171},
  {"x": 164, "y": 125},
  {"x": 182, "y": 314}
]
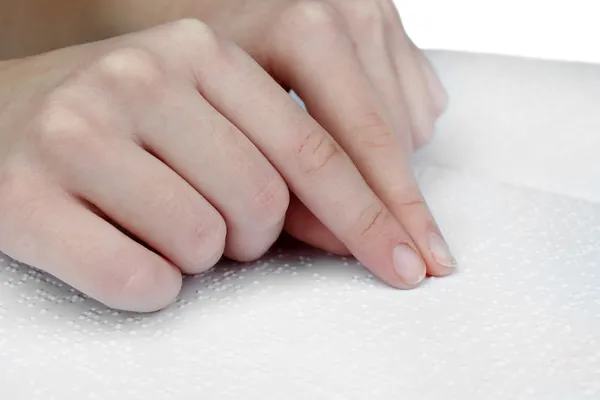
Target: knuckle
[
  {"x": 403, "y": 198},
  {"x": 208, "y": 241},
  {"x": 195, "y": 34},
  {"x": 367, "y": 15},
  {"x": 313, "y": 17},
  {"x": 379, "y": 139},
  {"x": 272, "y": 200},
  {"x": 316, "y": 151},
  {"x": 375, "y": 133},
  {"x": 198, "y": 41},
  {"x": 132, "y": 68},
  {"x": 128, "y": 281},
  {"x": 389, "y": 8},
  {"x": 192, "y": 27},
  {"x": 411, "y": 202},
  {"x": 370, "y": 219},
  {"x": 59, "y": 131}
]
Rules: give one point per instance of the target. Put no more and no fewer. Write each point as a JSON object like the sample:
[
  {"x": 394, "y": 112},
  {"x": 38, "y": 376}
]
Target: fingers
[
  {"x": 317, "y": 170},
  {"x": 437, "y": 91},
  {"x": 365, "y": 22},
  {"x": 217, "y": 159},
  {"x": 93, "y": 152},
  {"x": 58, "y": 234},
  {"x": 153, "y": 203},
  {"x": 409, "y": 59},
  {"x": 302, "y": 225},
  {"x": 204, "y": 153},
  {"x": 422, "y": 90},
  {"x": 212, "y": 155},
  {"x": 337, "y": 92}
]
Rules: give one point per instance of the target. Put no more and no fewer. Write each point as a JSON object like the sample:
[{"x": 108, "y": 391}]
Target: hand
[
  {"x": 178, "y": 138},
  {"x": 362, "y": 79}
]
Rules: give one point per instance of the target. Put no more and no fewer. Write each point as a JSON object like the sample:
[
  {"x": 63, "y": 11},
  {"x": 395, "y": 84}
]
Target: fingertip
[
  {"x": 436, "y": 255},
  {"x": 408, "y": 265},
  {"x": 401, "y": 268},
  {"x": 151, "y": 286},
  {"x": 411, "y": 210}
]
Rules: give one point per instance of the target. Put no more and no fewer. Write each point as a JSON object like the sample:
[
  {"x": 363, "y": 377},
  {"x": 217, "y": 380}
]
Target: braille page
[{"x": 519, "y": 320}]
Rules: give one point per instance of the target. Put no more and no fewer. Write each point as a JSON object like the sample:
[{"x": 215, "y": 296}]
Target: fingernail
[
  {"x": 409, "y": 265},
  {"x": 440, "y": 251}
]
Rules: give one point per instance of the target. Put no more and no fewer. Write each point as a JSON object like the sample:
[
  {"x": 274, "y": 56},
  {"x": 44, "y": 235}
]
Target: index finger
[
  {"x": 315, "y": 167},
  {"x": 320, "y": 62}
]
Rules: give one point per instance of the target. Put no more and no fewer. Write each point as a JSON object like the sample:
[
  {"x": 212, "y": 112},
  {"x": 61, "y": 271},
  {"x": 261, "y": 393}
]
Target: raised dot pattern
[{"x": 521, "y": 318}]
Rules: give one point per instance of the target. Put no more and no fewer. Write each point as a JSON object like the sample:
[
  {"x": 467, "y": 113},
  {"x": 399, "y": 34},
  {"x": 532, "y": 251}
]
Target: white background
[
  {"x": 567, "y": 30},
  {"x": 520, "y": 319}
]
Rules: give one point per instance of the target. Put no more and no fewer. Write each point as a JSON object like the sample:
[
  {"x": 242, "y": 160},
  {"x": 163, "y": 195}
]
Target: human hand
[
  {"x": 180, "y": 139},
  {"x": 363, "y": 80}
]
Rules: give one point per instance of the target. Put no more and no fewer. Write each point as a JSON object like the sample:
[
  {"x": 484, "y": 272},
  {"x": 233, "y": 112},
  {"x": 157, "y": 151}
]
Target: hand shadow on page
[{"x": 287, "y": 266}]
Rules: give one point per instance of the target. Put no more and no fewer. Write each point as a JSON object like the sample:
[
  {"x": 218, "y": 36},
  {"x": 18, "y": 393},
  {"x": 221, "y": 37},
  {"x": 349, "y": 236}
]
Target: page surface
[{"x": 520, "y": 319}]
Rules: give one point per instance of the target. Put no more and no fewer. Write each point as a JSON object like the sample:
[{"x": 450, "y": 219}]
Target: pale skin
[{"x": 169, "y": 139}]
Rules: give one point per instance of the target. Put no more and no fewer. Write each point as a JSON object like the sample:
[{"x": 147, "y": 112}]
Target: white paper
[{"x": 513, "y": 178}]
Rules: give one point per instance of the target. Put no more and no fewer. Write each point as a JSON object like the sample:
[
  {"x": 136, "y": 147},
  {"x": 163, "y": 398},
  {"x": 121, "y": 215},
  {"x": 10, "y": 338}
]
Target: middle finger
[{"x": 319, "y": 61}]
